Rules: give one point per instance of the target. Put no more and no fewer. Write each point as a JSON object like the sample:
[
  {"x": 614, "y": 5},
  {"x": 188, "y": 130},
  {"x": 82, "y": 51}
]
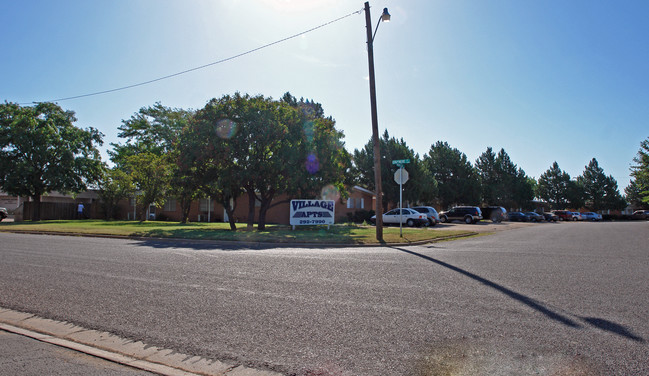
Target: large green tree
[
  {"x": 153, "y": 129},
  {"x": 213, "y": 151},
  {"x": 634, "y": 195},
  {"x": 114, "y": 186},
  {"x": 151, "y": 175},
  {"x": 324, "y": 165},
  {"x": 640, "y": 173},
  {"x": 490, "y": 182},
  {"x": 265, "y": 148},
  {"x": 151, "y": 136},
  {"x": 515, "y": 188},
  {"x": 42, "y": 151},
  {"x": 600, "y": 191},
  {"x": 553, "y": 186},
  {"x": 457, "y": 180},
  {"x": 421, "y": 187},
  {"x": 269, "y": 130}
]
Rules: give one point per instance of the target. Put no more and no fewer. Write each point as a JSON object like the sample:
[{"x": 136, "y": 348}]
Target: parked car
[
  {"x": 563, "y": 215},
  {"x": 550, "y": 217},
  {"x": 534, "y": 217},
  {"x": 495, "y": 213},
  {"x": 517, "y": 217},
  {"x": 408, "y": 217},
  {"x": 590, "y": 216},
  {"x": 431, "y": 214},
  {"x": 467, "y": 214},
  {"x": 640, "y": 214},
  {"x": 3, "y": 213},
  {"x": 576, "y": 216}
]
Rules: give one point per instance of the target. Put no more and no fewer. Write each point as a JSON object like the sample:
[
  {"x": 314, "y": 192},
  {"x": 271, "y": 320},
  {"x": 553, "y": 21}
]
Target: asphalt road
[{"x": 548, "y": 299}]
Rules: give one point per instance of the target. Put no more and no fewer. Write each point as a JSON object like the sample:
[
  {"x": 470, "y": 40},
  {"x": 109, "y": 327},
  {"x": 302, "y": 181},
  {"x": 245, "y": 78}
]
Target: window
[
  {"x": 204, "y": 204},
  {"x": 170, "y": 205},
  {"x": 355, "y": 203}
]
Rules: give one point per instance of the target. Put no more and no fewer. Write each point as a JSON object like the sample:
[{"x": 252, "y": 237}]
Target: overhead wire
[{"x": 202, "y": 66}]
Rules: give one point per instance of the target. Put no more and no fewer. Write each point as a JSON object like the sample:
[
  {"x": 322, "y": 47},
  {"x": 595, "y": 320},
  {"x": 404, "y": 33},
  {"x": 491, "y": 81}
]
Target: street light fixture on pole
[{"x": 375, "y": 123}]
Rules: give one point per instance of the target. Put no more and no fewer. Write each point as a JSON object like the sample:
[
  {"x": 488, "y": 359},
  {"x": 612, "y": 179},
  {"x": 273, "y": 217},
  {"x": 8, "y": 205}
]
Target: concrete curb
[{"x": 119, "y": 350}]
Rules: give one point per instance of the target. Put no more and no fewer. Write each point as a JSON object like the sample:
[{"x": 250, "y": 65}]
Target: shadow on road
[
  {"x": 215, "y": 245},
  {"x": 534, "y": 304}
]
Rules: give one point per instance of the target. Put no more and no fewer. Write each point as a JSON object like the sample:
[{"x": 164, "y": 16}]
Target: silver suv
[
  {"x": 467, "y": 214},
  {"x": 431, "y": 214}
]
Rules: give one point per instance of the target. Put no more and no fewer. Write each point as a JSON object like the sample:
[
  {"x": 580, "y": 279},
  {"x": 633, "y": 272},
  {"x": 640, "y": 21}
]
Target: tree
[
  {"x": 553, "y": 187},
  {"x": 270, "y": 133},
  {"x": 152, "y": 129},
  {"x": 212, "y": 149},
  {"x": 634, "y": 195},
  {"x": 115, "y": 186},
  {"x": 515, "y": 188},
  {"x": 576, "y": 196},
  {"x": 421, "y": 186},
  {"x": 152, "y": 138},
  {"x": 640, "y": 172},
  {"x": 151, "y": 175},
  {"x": 184, "y": 184},
  {"x": 600, "y": 191},
  {"x": 42, "y": 151},
  {"x": 265, "y": 148},
  {"x": 613, "y": 200},
  {"x": 457, "y": 180},
  {"x": 298, "y": 150},
  {"x": 326, "y": 170},
  {"x": 490, "y": 182}
]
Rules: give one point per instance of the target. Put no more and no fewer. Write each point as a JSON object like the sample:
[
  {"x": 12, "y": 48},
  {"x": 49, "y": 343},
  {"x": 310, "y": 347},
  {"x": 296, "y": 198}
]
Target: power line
[{"x": 202, "y": 66}]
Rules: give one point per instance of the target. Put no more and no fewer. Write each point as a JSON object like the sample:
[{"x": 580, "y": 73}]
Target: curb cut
[{"x": 119, "y": 350}]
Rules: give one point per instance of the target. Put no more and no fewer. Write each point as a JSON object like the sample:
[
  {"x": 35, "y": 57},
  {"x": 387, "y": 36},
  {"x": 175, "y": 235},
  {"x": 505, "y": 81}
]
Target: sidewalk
[
  {"x": 20, "y": 355},
  {"x": 38, "y": 346}
]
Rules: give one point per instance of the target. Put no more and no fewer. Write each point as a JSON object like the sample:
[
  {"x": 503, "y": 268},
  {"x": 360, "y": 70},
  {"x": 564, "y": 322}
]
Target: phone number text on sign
[{"x": 313, "y": 222}]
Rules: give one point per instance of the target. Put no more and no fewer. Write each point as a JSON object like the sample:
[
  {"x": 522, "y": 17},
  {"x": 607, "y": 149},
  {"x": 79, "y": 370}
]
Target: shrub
[{"x": 360, "y": 216}]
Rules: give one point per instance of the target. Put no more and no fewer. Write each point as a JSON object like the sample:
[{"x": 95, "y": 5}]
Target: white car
[
  {"x": 408, "y": 217},
  {"x": 576, "y": 216},
  {"x": 590, "y": 216}
]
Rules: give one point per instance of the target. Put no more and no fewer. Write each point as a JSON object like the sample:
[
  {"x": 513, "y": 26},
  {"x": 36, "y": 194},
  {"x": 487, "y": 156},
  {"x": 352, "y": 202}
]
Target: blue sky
[{"x": 552, "y": 80}]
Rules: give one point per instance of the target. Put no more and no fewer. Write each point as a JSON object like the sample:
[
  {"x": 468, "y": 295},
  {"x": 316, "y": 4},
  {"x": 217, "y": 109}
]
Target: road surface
[{"x": 565, "y": 298}]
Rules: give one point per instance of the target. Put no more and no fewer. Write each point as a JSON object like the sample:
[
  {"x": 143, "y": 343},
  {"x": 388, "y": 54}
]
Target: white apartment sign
[{"x": 312, "y": 212}]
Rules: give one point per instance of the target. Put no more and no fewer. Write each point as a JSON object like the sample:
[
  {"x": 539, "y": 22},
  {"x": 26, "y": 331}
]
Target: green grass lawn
[{"x": 336, "y": 234}]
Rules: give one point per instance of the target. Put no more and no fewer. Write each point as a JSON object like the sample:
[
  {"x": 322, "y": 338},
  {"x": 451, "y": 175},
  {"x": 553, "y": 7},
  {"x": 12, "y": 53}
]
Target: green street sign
[{"x": 401, "y": 161}]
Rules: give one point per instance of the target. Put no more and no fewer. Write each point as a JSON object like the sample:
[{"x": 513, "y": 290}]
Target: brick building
[{"x": 204, "y": 210}]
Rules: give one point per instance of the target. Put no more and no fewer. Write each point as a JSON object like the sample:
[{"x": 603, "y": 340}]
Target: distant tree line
[
  {"x": 445, "y": 177},
  {"x": 261, "y": 148}
]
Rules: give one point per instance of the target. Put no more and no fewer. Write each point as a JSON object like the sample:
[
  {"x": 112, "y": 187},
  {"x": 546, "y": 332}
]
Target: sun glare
[{"x": 299, "y": 5}]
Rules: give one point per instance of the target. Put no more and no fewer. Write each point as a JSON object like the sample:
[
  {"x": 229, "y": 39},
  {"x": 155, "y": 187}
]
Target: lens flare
[
  {"x": 308, "y": 130},
  {"x": 312, "y": 164},
  {"x": 226, "y": 128},
  {"x": 330, "y": 192}
]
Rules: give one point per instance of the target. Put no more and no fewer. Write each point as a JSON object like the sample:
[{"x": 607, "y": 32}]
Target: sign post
[{"x": 401, "y": 176}]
